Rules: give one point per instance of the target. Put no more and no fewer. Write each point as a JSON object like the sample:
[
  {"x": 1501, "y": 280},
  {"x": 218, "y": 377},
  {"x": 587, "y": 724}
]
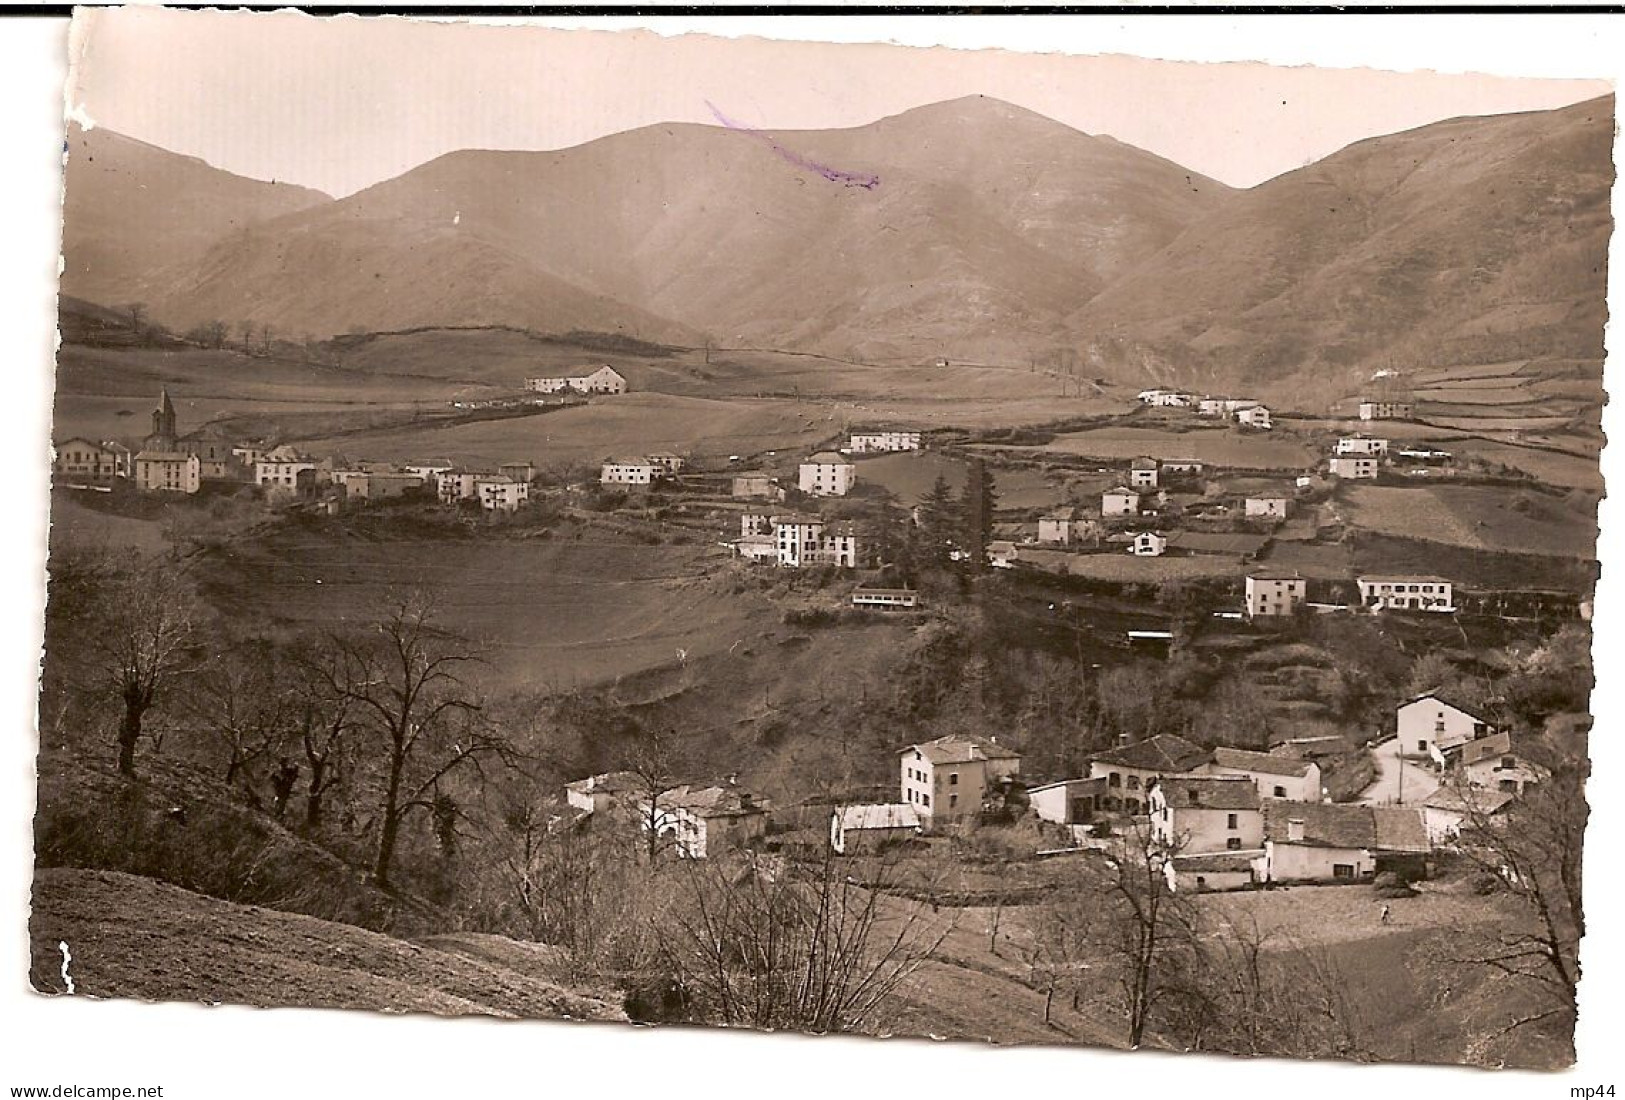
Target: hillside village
[{"x": 895, "y": 679}]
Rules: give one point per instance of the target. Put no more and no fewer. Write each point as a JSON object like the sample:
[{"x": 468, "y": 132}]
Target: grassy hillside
[
  {"x": 959, "y": 229},
  {"x": 1468, "y": 241},
  {"x": 133, "y": 937},
  {"x": 134, "y": 213}
]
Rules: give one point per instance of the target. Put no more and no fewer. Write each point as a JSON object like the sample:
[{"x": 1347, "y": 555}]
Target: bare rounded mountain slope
[{"x": 987, "y": 224}]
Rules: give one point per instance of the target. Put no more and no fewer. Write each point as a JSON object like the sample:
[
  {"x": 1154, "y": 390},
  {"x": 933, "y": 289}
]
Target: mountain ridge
[{"x": 988, "y": 232}]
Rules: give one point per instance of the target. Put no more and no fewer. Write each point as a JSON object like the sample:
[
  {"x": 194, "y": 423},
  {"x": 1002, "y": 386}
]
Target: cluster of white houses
[
  {"x": 882, "y": 440},
  {"x": 1218, "y": 818},
  {"x": 1243, "y": 410},
  {"x": 641, "y": 471}
]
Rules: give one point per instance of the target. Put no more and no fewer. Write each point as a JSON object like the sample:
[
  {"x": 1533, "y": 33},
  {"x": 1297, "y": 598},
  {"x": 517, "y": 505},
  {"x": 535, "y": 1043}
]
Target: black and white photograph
[{"x": 1032, "y": 549}]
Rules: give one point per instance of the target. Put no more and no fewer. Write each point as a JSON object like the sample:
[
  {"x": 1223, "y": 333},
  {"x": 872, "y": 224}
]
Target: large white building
[
  {"x": 1254, "y": 416},
  {"x": 1353, "y": 467},
  {"x": 808, "y": 540},
  {"x": 1404, "y": 593},
  {"x": 603, "y": 379},
  {"x": 948, "y": 778},
  {"x": 1431, "y": 725},
  {"x": 1361, "y": 445},
  {"x": 167, "y": 472},
  {"x": 1275, "y": 593},
  {"x": 827, "y": 474},
  {"x": 1386, "y": 410},
  {"x": 501, "y": 493},
  {"x": 869, "y": 441},
  {"x": 1205, "y": 813},
  {"x": 1267, "y": 507},
  {"x": 1119, "y": 501},
  {"x": 627, "y": 471}
]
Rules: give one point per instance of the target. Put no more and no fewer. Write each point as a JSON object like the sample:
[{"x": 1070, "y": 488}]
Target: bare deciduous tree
[
  {"x": 769, "y": 948},
  {"x": 145, "y": 627},
  {"x": 1531, "y": 850},
  {"x": 403, "y": 678},
  {"x": 1140, "y": 928}
]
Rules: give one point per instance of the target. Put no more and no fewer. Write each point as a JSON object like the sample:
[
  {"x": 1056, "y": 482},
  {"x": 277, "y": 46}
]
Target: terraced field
[{"x": 1477, "y": 517}]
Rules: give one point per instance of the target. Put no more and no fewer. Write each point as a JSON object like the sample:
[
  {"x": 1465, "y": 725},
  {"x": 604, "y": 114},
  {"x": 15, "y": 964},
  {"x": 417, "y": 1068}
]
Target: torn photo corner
[{"x": 830, "y": 538}]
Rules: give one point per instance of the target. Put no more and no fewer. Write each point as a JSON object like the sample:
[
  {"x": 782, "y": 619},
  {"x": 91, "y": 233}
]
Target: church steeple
[{"x": 163, "y": 424}]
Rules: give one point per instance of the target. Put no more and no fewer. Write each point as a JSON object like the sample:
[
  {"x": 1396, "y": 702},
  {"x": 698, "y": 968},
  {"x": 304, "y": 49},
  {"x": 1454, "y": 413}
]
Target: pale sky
[{"x": 341, "y": 103}]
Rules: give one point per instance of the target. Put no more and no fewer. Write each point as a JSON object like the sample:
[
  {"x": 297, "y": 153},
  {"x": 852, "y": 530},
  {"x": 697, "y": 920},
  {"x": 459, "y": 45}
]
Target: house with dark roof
[
  {"x": 1317, "y": 842},
  {"x": 1431, "y": 724},
  {"x": 1449, "y": 808},
  {"x": 947, "y": 779},
  {"x": 700, "y": 820},
  {"x": 1490, "y": 763},
  {"x": 1194, "y": 814},
  {"x": 1335, "y": 842},
  {"x": 1274, "y": 775},
  {"x": 1130, "y": 769}
]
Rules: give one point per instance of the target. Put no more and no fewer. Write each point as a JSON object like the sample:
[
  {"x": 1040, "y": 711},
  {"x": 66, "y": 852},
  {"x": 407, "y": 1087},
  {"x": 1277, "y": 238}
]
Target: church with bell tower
[{"x": 163, "y": 437}]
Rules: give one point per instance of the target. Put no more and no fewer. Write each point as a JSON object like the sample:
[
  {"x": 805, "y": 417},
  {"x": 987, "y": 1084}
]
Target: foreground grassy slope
[{"x": 136, "y": 937}]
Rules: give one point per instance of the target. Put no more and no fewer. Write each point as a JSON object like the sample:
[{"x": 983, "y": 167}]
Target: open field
[
  {"x": 1471, "y": 568},
  {"x": 1472, "y": 516},
  {"x": 76, "y": 522},
  {"x": 1214, "y": 446},
  {"x": 633, "y": 424},
  {"x": 1127, "y": 567},
  {"x": 551, "y": 612},
  {"x": 1553, "y": 467}
]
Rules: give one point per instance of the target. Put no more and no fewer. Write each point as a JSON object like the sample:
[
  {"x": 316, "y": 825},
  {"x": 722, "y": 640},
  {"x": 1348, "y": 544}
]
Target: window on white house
[
  {"x": 1232, "y": 843},
  {"x": 1280, "y": 792},
  {"x": 1232, "y": 821}
]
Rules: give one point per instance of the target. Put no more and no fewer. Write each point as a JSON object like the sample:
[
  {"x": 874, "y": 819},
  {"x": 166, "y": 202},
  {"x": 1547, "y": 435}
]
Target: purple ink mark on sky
[{"x": 834, "y": 175}]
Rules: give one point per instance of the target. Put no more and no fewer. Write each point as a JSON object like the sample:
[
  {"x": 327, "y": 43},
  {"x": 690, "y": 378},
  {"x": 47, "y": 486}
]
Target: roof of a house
[
  {"x": 1121, "y": 491},
  {"x": 1275, "y": 575},
  {"x": 1209, "y": 792},
  {"x": 1482, "y": 801},
  {"x": 1447, "y": 700},
  {"x": 1264, "y": 762},
  {"x": 607, "y": 783},
  {"x": 1325, "y": 824},
  {"x": 1397, "y": 578},
  {"x": 1097, "y": 783},
  {"x": 1496, "y": 744},
  {"x": 1143, "y": 464},
  {"x": 1215, "y": 861},
  {"x": 714, "y": 800},
  {"x": 1001, "y": 547},
  {"x": 795, "y": 519},
  {"x": 163, "y": 456},
  {"x": 1400, "y": 829},
  {"x": 640, "y": 460},
  {"x": 879, "y": 815},
  {"x": 1166, "y": 752},
  {"x": 826, "y": 458},
  {"x": 962, "y": 749}
]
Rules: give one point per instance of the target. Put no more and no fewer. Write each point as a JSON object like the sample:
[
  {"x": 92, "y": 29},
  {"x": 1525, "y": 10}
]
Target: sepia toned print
[{"x": 924, "y": 565}]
